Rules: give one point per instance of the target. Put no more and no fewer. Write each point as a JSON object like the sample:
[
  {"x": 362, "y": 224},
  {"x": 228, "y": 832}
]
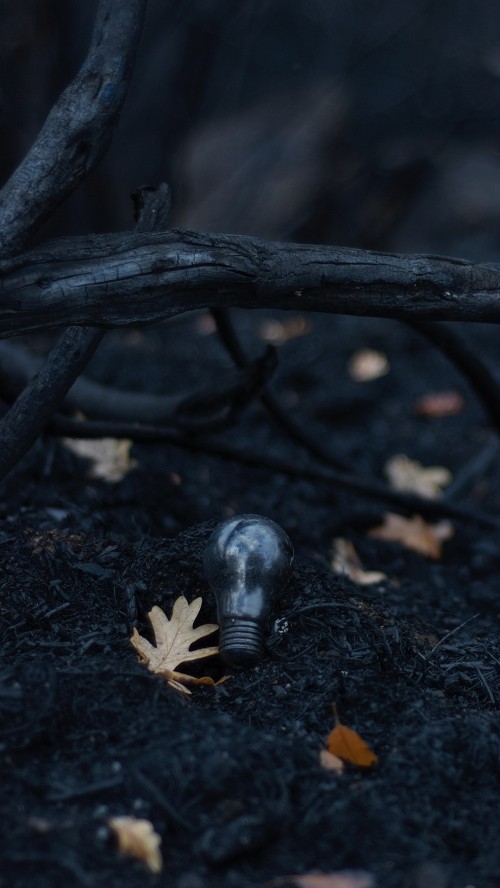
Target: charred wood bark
[
  {"x": 139, "y": 278},
  {"x": 79, "y": 127}
]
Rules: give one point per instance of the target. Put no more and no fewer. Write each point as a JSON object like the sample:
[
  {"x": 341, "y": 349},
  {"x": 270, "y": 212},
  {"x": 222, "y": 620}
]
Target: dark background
[{"x": 372, "y": 124}]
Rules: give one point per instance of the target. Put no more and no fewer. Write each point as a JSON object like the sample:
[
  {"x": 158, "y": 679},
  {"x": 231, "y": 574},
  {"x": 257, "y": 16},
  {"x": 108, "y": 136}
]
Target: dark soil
[{"x": 230, "y": 777}]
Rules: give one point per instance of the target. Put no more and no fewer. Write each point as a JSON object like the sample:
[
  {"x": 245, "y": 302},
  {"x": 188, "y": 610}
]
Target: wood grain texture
[
  {"x": 79, "y": 127},
  {"x": 139, "y": 278}
]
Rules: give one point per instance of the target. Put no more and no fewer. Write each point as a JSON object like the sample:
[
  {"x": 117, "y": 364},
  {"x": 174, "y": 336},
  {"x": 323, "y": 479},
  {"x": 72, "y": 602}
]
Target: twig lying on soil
[
  {"x": 452, "y": 632},
  {"x": 455, "y": 347},
  {"x": 60, "y": 425},
  {"x": 206, "y": 410},
  {"x": 280, "y": 416}
]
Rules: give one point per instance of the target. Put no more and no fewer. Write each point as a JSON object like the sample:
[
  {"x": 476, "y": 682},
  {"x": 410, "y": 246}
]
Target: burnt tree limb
[
  {"x": 30, "y": 414},
  {"x": 79, "y": 127},
  {"x": 74, "y": 137},
  {"x": 140, "y": 278}
]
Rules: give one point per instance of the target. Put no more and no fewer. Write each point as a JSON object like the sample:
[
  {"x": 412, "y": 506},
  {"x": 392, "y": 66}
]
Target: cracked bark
[
  {"x": 71, "y": 142},
  {"x": 79, "y": 127},
  {"x": 140, "y": 278}
]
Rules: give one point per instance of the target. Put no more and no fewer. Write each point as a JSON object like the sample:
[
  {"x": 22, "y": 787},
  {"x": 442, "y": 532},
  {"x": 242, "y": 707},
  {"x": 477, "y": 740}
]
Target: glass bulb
[{"x": 247, "y": 561}]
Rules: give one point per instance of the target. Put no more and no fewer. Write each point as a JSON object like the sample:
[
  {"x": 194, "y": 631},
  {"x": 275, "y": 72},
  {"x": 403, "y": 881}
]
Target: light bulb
[{"x": 247, "y": 561}]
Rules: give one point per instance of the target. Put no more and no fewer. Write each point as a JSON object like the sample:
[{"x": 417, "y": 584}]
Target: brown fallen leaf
[
  {"x": 367, "y": 364},
  {"x": 338, "y": 879},
  {"x": 404, "y": 473},
  {"x": 345, "y": 560},
  {"x": 279, "y": 332},
  {"x": 438, "y": 404},
  {"x": 110, "y": 457},
  {"x": 173, "y": 639},
  {"x": 138, "y": 839},
  {"x": 347, "y": 745},
  {"x": 331, "y": 762},
  {"x": 414, "y": 533}
]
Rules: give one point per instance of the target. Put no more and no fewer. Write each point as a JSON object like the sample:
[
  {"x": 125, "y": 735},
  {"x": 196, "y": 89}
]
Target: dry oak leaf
[
  {"x": 414, "y": 533},
  {"x": 404, "y": 473},
  {"x": 138, "y": 839},
  {"x": 173, "y": 639},
  {"x": 279, "y": 332},
  {"x": 331, "y": 762},
  {"x": 110, "y": 457},
  {"x": 367, "y": 364},
  {"x": 347, "y": 745},
  {"x": 339, "y": 879},
  {"x": 345, "y": 560}
]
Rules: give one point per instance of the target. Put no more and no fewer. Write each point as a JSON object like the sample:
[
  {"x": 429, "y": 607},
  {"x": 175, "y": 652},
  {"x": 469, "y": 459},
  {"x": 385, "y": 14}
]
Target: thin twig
[
  {"x": 70, "y": 428},
  {"x": 453, "y": 344},
  {"x": 283, "y": 420},
  {"x": 486, "y": 686},
  {"x": 208, "y": 410},
  {"x": 452, "y": 632}
]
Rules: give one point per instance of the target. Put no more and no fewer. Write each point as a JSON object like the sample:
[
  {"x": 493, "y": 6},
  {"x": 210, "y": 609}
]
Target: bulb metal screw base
[
  {"x": 241, "y": 643},
  {"x": 247, "y": 561}
]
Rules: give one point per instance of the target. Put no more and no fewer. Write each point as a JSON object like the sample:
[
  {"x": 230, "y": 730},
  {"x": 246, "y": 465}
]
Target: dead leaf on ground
[
  {"x": 345, "y": 560},
  {"x": 279, "y": 332},
  {"x": 414, "y": 533},
  {"x": 438, "y": 404},
  {"x": 138, "y": 839},
  {"x": 173, "y": 639},
  {"x": 347, "y": 745},
  {"x": 110, "y": 457},
  {"x": 338, "y": 879},
  {"x": 406, "y": 474},
  {"x": 367, "y": 364},
  {"x": 331, "y": 762}
]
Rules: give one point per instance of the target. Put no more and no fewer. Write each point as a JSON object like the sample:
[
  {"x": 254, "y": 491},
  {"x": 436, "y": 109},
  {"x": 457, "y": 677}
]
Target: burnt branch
[
  {"x": 278, "y": 413},
  {"x": 479, "y": 376},
  {"x": 79, "y": 127},
  {"x": 30, "y": 414},
  {"x": 27, "y": 418},
  {"x": 370, "y": 489},
  {"x": 213, "y": 408},
  {"x": 139, "y": 278}
]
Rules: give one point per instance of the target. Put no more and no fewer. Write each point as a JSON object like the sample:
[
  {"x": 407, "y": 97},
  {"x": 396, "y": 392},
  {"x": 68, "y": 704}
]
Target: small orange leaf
[{"x": 347, "y": 745}]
